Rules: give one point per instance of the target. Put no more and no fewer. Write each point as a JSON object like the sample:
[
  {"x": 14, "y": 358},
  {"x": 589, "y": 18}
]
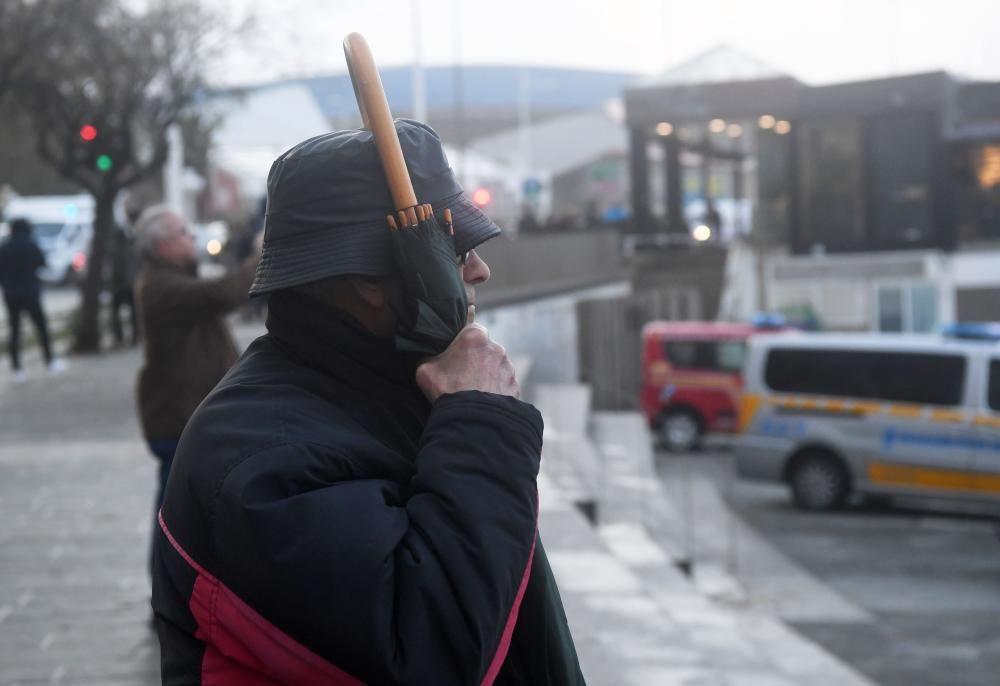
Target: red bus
[{"x": 691, "y": 379}]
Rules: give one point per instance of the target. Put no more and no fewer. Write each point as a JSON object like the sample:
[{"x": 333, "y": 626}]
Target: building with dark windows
[{"x": 874, "y": 204}]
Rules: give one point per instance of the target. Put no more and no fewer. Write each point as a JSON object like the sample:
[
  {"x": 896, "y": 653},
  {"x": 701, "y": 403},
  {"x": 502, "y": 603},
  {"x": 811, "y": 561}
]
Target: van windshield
[{"x": 46, "y": 231}]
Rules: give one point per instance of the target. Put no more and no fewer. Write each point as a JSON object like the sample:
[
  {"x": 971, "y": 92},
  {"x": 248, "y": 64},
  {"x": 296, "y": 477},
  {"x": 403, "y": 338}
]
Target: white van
[
  {"x": 63, "y": 225},
  {"x": 832, "y": 415}
]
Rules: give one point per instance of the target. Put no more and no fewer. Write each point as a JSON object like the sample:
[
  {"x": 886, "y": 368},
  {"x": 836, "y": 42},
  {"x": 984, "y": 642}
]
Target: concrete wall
[
  {"x": 530, "y": 267},
  {"x": 610, "y": 351},
  {"x": 547, "y": 331},
  {"x": 684, "y": 283}
]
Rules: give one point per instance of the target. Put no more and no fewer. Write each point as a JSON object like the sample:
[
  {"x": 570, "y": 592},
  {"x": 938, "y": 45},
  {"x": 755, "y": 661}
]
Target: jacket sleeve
[
  {"x": 410, "y": 585},
  {"x": 183, "y": 298}
]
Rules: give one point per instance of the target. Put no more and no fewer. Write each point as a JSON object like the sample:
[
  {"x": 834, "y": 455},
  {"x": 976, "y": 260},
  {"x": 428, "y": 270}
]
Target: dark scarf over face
[{"x": 376, "y": 383}]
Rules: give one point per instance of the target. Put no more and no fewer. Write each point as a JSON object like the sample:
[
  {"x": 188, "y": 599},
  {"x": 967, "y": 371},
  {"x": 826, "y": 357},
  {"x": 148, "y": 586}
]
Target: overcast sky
[{"x": 818, "y": 41}]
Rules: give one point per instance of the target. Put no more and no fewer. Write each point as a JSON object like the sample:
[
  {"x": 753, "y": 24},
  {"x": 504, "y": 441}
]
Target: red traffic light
[
  {"x": 88, "y": 132},
  {"x": 482, "y": 197}
]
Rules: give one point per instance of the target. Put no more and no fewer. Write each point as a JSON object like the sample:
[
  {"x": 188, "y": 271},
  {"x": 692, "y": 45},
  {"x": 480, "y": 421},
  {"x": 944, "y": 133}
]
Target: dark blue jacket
[
  {"x": 20, "y": 260},
  {"x": 325, "y": 524}
]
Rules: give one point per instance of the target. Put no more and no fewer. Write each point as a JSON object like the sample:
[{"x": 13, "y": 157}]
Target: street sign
[{"x": 532, "y": 187}]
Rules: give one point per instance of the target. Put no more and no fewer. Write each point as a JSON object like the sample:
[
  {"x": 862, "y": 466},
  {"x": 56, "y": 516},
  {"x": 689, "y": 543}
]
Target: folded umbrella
[{"x": 431, "y": 305}]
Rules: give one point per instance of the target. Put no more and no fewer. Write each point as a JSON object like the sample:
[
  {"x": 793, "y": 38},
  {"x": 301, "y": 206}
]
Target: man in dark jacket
[
  {"x": 20, "y": 260},
  {"x": 188, "y": 347},
  {"x": 338, "y": 512}
]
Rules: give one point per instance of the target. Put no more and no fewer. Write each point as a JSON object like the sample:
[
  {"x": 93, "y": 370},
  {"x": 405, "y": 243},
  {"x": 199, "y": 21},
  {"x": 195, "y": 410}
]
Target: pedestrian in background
[
  {"x": 123, "y": 263},
  {"x": 188, "y": 345},
  {"x": 20, "y": 260}
]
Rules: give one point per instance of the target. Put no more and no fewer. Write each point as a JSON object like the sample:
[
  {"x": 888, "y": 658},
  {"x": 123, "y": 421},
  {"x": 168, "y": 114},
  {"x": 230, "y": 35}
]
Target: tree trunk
[{"x": 87, "y": 338}]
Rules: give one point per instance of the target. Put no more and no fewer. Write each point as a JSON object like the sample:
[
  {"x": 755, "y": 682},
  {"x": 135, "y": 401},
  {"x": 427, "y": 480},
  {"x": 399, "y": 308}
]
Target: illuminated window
[{"x": 988, "y": 166}]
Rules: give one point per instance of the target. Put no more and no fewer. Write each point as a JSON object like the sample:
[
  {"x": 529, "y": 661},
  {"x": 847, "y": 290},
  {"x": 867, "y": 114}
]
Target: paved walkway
[
  {"x": 622, "y": 589},
  {"x": 76, "y": 486},
  {"x": 76, "y": 489}
]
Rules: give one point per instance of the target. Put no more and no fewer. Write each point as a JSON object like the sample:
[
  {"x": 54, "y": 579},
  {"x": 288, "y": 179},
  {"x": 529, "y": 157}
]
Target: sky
[{"x": 817, "y": 41}]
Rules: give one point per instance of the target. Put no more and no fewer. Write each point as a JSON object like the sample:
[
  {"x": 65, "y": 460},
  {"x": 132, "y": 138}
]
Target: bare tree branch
[{"x": 130, "y": 74}]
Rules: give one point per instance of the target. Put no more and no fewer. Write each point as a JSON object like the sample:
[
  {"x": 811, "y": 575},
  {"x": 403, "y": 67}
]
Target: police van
[{"x": 835, "y": 415}]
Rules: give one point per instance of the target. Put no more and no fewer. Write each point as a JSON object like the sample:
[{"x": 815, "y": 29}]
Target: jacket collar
[
  {"x": 362, "y": 374},
  {"x": 332, "y": 340}
]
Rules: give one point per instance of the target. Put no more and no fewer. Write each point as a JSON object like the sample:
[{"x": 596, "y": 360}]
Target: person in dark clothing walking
[
  {"x": 123, "y": 272},
  {"x": 341, "y": 512},
  {"x": 20, "y": 260}
]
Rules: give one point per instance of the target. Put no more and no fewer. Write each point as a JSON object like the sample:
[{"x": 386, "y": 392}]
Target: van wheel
[
  {"x": 680, "y": 431},
  {"x": 818, "y": 481}
]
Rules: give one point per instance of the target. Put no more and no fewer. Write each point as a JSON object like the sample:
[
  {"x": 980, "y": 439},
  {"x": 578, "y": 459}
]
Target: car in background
[
  {"x": 691, "y": 379},
  {"x": 872, "y": 414},
  {"x": 63, "y": 226}
]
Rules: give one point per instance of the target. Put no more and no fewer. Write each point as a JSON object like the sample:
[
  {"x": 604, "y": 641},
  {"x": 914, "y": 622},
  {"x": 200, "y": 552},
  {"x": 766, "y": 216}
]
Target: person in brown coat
[{"x": 188, "y": 346}]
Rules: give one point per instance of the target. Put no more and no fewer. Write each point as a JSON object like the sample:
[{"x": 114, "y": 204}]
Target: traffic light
[{"x": 94, "y": 149}]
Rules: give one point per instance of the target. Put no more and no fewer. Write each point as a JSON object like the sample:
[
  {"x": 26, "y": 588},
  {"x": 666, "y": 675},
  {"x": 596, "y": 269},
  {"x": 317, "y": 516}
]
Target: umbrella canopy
[{"x": 431, "y": 305}]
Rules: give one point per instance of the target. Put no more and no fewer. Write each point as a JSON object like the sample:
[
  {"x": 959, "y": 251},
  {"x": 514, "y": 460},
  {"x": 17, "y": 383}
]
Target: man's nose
[{"x": 476, "y": 270}]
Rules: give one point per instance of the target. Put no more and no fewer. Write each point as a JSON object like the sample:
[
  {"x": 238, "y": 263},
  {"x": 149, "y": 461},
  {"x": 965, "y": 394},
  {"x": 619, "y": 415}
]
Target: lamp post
[{"x": 419, "y": 95}]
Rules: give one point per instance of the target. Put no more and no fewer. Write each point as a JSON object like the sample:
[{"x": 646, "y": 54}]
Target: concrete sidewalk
[
  {"x": 622, "y": 588},
  {"x": 76, "y": 506}
]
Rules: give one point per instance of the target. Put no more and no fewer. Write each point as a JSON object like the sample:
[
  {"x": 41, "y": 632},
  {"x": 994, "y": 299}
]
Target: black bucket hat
[{"x": 327, "y": 199}]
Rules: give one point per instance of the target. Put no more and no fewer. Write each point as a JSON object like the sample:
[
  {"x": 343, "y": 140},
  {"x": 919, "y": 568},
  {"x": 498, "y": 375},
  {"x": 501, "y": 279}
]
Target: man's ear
[{"x": 370, "y": 290}]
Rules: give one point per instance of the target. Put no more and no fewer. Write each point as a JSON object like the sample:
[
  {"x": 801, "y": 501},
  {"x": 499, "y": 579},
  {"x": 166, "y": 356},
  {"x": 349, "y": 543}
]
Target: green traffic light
[{"x": 104, "y": 163}]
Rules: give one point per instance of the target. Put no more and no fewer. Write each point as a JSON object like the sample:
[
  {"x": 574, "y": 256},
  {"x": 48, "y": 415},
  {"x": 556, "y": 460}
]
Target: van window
[
  {"x": 719, "y": 356},
  {"x": 43, "y": 230},
  {"x": 994, "y": 392},
  {"x": 923, "y": 378},
  {"x": 731, "y": 355}
]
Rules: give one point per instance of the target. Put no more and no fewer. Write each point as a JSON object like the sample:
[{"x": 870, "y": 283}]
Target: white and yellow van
[{"x": 832, "y": 415}]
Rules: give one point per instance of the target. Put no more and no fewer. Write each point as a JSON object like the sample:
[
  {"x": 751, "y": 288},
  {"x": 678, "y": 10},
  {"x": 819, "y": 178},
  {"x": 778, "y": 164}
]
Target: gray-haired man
[{"x": 188, "y": 346}]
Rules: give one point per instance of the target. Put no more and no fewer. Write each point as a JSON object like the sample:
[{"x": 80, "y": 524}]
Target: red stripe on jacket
[
  {"x": 508, "y": 630},
  {"x": 242, "y": 647}
]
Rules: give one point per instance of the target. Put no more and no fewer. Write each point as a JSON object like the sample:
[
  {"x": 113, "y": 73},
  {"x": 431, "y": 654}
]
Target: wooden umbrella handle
[{"x": 378, "y": 119}]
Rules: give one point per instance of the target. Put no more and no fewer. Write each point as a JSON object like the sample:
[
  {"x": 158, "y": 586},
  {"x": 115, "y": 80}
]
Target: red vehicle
[{"x": 691, "y": 379}]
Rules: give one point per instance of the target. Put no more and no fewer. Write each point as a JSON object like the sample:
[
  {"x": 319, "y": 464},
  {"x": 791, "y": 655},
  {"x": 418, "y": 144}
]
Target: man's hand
[{"x": 471, "y": 363}]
